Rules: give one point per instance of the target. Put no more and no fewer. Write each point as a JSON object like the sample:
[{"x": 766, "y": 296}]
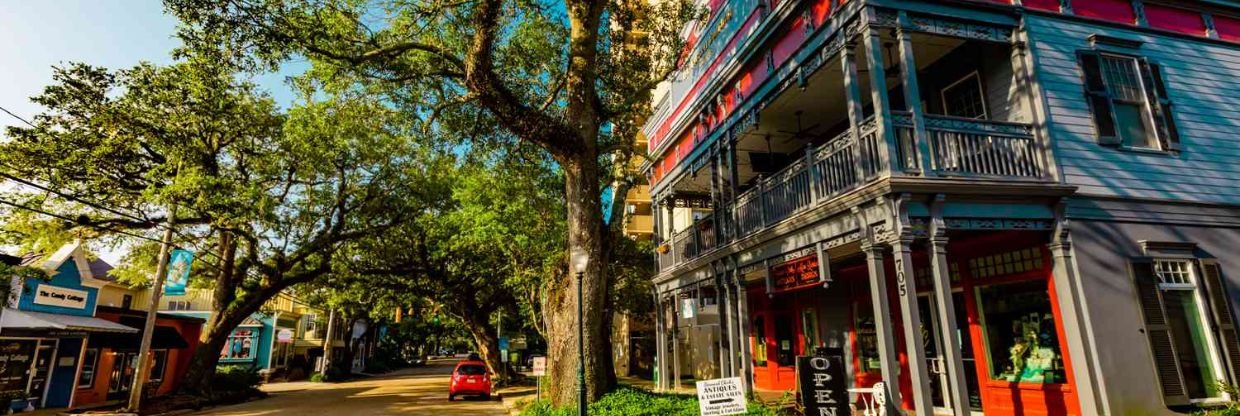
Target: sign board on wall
[
  {"x": 60, "y": 296},
  {"x": 821, "y": 383},
  {"x": 284, "y": 336},
  {"x": 540, "y": 367},
  {"x": 796, "y": 273},
  {"x": 721, "y": 397}
]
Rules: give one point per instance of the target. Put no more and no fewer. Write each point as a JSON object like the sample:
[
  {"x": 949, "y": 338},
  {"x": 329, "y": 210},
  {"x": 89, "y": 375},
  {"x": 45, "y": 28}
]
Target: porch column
[
  {"x": 720, "y": 294},
  {"x": 888, "y": 360},
  {"x": 878, "y": 93},
  {"x": 660, "y": 342},
  {"x": 733, "y": 185},
  {"x": 947, "y": 309},
  {"x": 676, "y": 340},
  {"x": 852, "y": 95},
  {"x": 734, "y": 332},
  {"x": 1077, "y": 329},
  {"x": 906, "y": 287},
  {"x": 657, "y": 235},
  {"x": 912, "y": 95},
  {"x": 742, "y": 318}
]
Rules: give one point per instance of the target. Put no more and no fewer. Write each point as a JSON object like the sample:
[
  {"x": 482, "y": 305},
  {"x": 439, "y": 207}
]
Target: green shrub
[
  {"x": 317, "y": 378},
  {"x": 233, "y": 383},
  {"x": 627, "y": 401}
]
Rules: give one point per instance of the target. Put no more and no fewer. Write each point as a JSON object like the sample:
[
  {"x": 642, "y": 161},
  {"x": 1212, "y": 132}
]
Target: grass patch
[{"x": 628, "y": 401}]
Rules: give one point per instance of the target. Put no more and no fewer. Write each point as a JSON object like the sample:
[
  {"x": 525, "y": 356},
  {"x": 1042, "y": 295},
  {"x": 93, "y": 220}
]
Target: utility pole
[
  {"x": 148, "y": 328},
  {"x": 327, "y": 343}
]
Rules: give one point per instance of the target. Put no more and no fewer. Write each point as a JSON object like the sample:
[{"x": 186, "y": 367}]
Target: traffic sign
[
  {"x": 721, "y": 397},
  {"x": 540, "y": 366}
]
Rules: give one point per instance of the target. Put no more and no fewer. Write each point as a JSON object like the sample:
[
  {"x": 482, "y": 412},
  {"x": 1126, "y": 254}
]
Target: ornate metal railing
[
  {"x": 982, "y": 148},
  {"x": 958, "y": 147}
]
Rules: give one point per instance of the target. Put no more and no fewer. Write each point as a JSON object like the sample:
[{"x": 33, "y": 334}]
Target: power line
[{"x": 6, "y": 111}]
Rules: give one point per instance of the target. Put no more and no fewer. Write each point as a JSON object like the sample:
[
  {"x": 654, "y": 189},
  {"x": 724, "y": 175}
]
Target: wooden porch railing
[{"x": 958, "y": 147}]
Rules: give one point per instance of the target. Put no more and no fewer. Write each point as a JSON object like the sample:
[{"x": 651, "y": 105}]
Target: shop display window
[
  {"x": 240, "y": 345},
  {"x": 759, "y": 348},
  {"x": 867, "y": 340},
  {"x": 809, "y": 330},
  {"x": 1019, "y": 332},
  {"x": 89, "y": 362},
  {"x": 161, "y": 365},
  {"x": 784, "y": 341}
]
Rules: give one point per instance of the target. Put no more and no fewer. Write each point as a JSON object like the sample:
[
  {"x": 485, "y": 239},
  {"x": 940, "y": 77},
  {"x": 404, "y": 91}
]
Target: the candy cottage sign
[{"x": 15, "y": 356}]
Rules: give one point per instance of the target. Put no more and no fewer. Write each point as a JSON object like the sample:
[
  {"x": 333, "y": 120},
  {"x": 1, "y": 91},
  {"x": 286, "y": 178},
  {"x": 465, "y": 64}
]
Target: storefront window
[
  {"x": 1019, "y": 330},
  {"x": 809, "y": 327},
  {"x": 867, "y": 339},
  {"x": 759, "y": 347},
  {"x": 89, "y": 362},
  {"x": 240, "y": 345},
  {"x": 784, "y": 340},
  {"x": 161, "y": 364}
]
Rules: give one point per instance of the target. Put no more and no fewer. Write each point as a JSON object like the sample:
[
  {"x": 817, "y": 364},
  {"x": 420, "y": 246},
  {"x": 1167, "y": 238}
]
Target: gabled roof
[{"x": 69, "y": 252}]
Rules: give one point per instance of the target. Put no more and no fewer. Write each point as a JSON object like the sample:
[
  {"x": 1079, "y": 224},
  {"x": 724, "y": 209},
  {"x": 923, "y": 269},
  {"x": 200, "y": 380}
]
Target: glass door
[
  {"x": 932, "y": 341},
  {"x": 42, "y": 369},
  {"x": 123, "y": 369}
]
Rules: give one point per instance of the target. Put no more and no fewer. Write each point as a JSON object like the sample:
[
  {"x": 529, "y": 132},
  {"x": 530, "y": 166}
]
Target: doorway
[
  {"x": 123, "y": 369},
  {"x": 932, "y": 341}
]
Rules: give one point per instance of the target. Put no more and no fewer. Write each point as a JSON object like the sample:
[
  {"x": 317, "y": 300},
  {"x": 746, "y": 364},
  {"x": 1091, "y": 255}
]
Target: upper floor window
[
  {"x": 964, "y": 98},
  {"x": 178, "y": 305},
  {"x": 1129, "y": 102}
]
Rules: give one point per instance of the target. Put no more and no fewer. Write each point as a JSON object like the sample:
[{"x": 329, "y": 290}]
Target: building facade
[
  {"x": 63, "y": 346},
  {"x": 992, "y": 206}
]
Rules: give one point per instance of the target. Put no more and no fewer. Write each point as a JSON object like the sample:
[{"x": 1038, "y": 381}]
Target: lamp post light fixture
[{"x": 580, "y": 260}]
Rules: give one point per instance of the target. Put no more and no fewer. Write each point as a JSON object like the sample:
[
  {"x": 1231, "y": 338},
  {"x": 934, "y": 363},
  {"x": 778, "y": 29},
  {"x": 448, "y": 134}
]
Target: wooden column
[
  {"x": 912, "y": 95},
  {"x": 675, "y": 340},
  {"x": 941, "y": 275},
  {"x": 733, "y": 187},
  {"x": 1074, "y": 310},
  {"x": 878, "y": 93},
  {"x": 742, "y": 318},
  {"x": 906, "y": 289},
  {"x": 660, "y": 342},
  {"x": 852, "y": 96},
  {"x": 883, "y": 326},
  {"x": 721, "y": 291}
]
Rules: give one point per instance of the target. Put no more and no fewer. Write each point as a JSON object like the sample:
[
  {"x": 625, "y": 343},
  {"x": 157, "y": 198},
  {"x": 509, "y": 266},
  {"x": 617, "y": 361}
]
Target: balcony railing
[{"x": 957, "y": 147}]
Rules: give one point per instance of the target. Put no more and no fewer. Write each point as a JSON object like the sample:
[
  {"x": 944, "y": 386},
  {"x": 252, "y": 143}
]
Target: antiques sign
[
  {"x": 796, "y": 273},
  {"x": 60, "y": 296},
  {"x": 721, "y": 397},
  {"x": 820, "y": 379}
]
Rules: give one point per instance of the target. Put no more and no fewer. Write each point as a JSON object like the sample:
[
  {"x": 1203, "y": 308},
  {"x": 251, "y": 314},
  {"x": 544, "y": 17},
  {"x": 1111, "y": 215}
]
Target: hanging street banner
[
  {"x": 820, "y": 381},
  {"x": 721, "y": 397},
  {"x": 178, "y": 272}
]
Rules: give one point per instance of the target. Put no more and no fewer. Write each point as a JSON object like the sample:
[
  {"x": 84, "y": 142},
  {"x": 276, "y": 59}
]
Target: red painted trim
[
  {"x": 1110, "y": 10},
  {"x": 1228, "y": 28},
  {"x": 1175, "y": 19}
]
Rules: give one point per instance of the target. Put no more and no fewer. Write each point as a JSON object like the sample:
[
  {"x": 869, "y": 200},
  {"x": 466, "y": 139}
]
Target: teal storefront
[{"x": 45, "y": 328}]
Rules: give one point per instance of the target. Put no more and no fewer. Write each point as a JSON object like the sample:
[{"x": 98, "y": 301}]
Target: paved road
[{"x": 417, "y": 391}]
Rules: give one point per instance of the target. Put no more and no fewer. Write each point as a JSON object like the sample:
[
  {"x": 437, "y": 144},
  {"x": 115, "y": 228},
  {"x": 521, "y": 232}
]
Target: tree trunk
[
  {"x": 584, "y": 238},
  {"x": 207, "y": 355},
  {"x": 488, "y": 345},
  {"x": 328, "y": 343}
]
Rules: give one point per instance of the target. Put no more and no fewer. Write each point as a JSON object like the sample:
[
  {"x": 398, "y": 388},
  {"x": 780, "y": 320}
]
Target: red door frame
[{"x": 998, "y": 397}]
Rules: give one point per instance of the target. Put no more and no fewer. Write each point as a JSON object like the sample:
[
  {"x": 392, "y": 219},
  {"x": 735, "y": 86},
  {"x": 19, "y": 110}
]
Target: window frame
[
  {"x": 1206, "y": 321},
  {"x": 94, "y": 368},
  {"x": 1147, "y": 108},
  {"x": 981, "y": 91},
  {"x": 979, "y": 303},
  {"x": 157, "y": 364}
]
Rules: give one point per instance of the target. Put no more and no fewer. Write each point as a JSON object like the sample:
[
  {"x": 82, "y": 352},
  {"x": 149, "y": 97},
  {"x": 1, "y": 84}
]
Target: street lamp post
[{"x": 580, "y": 266}]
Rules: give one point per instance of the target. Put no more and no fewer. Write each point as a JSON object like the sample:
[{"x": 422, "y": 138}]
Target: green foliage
[
  {"x": 318, "y": 378},
  {"x": 628, "y": 401},
  {"x": 235, "y": 383},
  {"x": 1229, "y": 408}
]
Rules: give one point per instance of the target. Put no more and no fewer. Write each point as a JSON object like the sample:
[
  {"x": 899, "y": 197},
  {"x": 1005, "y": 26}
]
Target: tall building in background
[{"x": 999, "y": 206}]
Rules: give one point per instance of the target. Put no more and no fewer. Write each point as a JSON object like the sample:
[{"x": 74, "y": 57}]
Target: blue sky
[{"x": 37, "y": 34}]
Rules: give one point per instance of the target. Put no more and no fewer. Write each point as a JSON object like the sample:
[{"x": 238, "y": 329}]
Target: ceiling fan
[{"x": 800, "y": 133}]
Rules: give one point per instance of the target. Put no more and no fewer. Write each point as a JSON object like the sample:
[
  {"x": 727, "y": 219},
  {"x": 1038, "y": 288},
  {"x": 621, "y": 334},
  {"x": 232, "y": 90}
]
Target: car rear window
[{"x": 472, "y": 370}]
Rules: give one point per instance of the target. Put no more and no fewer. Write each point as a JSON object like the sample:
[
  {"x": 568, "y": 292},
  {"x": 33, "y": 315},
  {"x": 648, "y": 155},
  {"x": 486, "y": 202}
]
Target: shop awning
[
  {"x": 164, "y": 338},
  {"x": 28, "y": 320}
]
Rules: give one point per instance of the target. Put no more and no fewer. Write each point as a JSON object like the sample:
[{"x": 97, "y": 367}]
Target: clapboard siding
[
  {"x": 1202, "y": 79},
  {"x": 1117, "y": 210}
]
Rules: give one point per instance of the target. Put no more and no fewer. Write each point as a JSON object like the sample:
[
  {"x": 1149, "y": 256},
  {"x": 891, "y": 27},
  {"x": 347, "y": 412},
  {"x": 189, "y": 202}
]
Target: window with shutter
[
  {"x": 1224, "y": 319},
  {"x": 1128, "y": 101},
  {"x": 1178, "y": 311}
]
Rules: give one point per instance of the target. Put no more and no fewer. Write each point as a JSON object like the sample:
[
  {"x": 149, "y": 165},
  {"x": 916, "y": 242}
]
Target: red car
[{"x": 470, "y": 378}]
